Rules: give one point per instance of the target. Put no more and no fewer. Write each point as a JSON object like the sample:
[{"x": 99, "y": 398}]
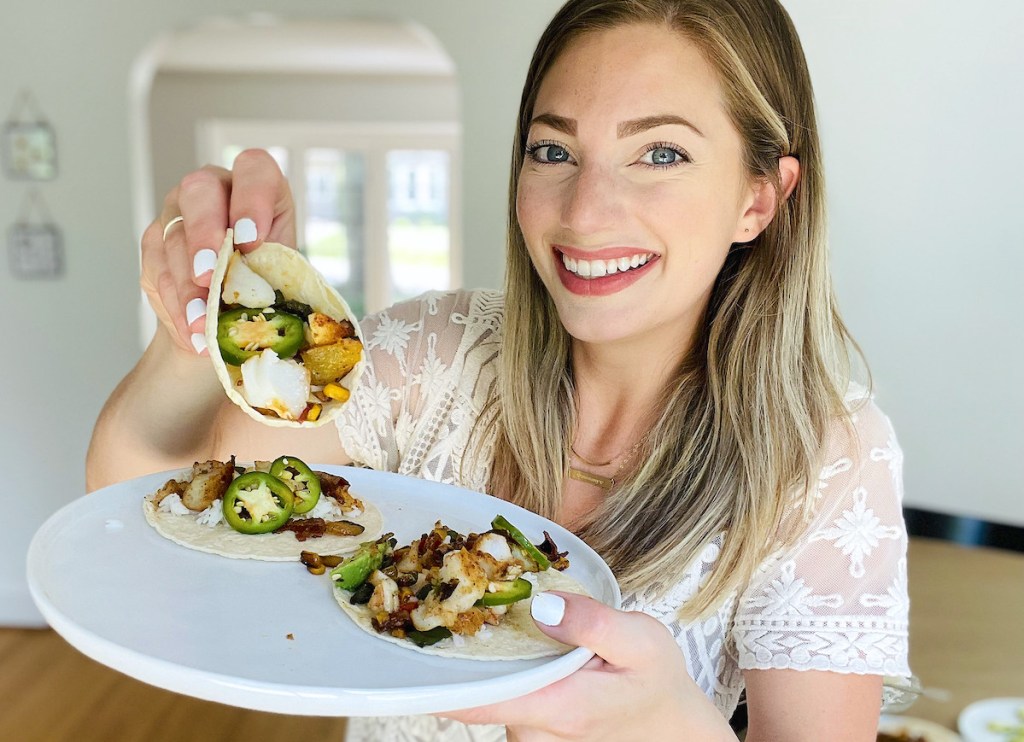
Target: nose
[{"x": 591, "y": 201}]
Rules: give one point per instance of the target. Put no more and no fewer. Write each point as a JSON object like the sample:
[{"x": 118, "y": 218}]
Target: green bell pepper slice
[
  {"x": 532, "y": 551},
  {"x": 508, "y": 593},
  {"x": 239, "y": 330},
  {"x": 426, "y": 638},
  {"x": 304, "y": 484},
  {"x": 257, "y": 503}
]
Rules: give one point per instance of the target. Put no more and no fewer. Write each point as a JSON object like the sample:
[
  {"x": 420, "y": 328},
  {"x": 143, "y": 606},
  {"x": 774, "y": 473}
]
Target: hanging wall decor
[
  {"x": 35, "y": 247},
  {"x": 29, "y": 142}
]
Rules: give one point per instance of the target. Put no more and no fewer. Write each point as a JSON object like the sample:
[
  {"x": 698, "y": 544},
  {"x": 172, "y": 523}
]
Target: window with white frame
[{"x": 376, "y": 205}]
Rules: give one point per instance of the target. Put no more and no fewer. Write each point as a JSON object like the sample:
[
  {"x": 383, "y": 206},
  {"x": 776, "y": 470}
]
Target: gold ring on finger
[{"x": 167, "y": 228}]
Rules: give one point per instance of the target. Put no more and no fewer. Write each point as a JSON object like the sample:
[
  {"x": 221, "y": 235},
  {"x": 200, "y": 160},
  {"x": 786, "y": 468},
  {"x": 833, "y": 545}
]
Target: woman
[{"x": 666, "y": 374}]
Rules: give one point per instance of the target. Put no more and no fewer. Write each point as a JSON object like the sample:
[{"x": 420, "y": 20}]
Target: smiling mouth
[{"x": 590, "y": 269}]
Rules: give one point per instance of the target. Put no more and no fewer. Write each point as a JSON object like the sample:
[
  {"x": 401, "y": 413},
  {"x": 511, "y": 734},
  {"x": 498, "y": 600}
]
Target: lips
[{"x": 601, "y": 272}]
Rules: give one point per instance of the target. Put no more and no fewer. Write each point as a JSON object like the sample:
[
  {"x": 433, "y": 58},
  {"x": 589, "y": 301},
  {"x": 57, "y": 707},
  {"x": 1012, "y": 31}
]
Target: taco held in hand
[{"x": 284, "y": 344}]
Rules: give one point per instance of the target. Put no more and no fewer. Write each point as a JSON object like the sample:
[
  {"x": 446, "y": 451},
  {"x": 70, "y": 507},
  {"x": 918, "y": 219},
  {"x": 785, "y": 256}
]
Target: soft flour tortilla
[
  {"x": 289, "y": 272},
  {"x": 225, "y": 541},
  {"x": 515, "y": 638}
]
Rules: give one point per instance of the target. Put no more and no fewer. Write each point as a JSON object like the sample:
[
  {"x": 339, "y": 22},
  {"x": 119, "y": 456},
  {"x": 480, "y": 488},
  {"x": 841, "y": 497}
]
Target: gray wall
[{"x": 920, "y": 109}]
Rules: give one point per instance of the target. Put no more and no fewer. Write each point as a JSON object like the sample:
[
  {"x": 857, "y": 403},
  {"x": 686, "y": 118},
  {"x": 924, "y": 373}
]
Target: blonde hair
[{"x": 738, "y": 441}]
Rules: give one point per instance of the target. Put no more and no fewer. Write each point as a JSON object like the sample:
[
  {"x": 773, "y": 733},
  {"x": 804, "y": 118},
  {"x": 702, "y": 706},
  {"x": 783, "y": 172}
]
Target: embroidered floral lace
[{"x": 836, "y": 600}]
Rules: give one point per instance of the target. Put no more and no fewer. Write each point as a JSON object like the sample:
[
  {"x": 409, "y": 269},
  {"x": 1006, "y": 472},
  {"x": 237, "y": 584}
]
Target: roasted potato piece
[
  {"x": 325, "y": 331},
  {"x": 210, "y": 480},
  {"x": 328, "y": 363}
]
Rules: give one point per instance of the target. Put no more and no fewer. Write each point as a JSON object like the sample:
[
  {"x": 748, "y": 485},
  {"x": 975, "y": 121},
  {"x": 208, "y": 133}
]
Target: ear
[{"x": 763, "y": 200}]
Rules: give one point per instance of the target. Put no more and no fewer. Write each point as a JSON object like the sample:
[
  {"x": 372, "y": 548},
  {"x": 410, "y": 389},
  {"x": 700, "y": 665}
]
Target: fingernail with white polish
[
  {"x": 195, "y": 309},
  {"x": 198, "y": 342},
  {"x": 548, "y": 608},
  {"x": 203, "y": 262},
  {"x": 245, "y": 231}
]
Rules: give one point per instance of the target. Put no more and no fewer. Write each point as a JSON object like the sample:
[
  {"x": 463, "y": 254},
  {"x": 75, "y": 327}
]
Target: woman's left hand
[{"x": 636, "y": 687}]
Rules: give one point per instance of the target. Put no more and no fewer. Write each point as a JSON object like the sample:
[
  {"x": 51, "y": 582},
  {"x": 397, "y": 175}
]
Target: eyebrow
[
  {"x": 636, "y": 126},
  {"x": 625, "y": 129}
]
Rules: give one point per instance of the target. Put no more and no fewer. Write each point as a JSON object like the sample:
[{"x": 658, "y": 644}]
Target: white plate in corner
[
  {"x": 268, "y": 635},
  {"x": 929, "y": 730},
  {"x": 974, "y": 719}
]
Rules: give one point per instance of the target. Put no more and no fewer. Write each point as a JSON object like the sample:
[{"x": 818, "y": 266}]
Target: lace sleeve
[
  {"x": 837, "y": 599},
  {"x": 415, "y": 359}
]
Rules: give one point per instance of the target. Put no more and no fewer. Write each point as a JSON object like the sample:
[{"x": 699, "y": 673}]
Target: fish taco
[
  {"x": 271, "y": 511},
  {"x": 285, "y": 345},
  {"x": 455, "y": 596}
]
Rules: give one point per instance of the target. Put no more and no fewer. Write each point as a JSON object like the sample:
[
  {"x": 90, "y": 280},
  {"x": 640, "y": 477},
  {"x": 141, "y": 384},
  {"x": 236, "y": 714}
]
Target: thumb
[{"x": 625, "y": 639}]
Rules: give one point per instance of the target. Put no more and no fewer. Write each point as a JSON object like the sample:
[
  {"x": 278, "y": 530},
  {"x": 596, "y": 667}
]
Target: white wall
[{"x": 920, "y": 106}]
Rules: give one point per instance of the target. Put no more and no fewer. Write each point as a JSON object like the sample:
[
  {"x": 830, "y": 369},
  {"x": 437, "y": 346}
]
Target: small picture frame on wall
[
  {"x": 29, "y": 151},
  {"x": 28, "y": 143},
  {"x": 35, "y": 251},
  {"x": 35, "y": 246}
]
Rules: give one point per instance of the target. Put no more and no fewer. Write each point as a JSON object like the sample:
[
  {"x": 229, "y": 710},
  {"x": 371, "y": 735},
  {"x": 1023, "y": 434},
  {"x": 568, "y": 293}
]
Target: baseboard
[
  {"x": 17, "y": 609},
  {"x": 963, "y": 530}
]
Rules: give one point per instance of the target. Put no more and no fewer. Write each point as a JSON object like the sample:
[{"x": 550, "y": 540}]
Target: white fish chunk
[
  {"x": 275, "y": 384},
  {"x": 242, "y": 285}
]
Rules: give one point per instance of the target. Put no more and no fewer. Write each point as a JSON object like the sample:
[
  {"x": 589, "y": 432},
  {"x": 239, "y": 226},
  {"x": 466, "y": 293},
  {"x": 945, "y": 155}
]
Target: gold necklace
[{"x": 605, "y": 483}]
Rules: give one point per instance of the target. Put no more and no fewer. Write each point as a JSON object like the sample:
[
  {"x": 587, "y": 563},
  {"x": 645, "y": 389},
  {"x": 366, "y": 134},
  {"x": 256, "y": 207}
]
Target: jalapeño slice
[
  {"x": 304, "y": 484},
  {"x": 532, "y": 551},
  {"x": 257, "y": 503},
  {"x": 244, "y": 333}
]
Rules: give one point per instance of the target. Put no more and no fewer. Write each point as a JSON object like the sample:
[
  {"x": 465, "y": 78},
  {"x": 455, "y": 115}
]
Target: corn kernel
[
  {"x": 314, "y": 412},
  {"x": 336, "y": 391}
]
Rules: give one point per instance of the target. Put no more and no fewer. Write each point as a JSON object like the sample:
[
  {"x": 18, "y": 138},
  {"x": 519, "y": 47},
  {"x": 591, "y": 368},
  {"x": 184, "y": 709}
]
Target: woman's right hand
[{"x": 253, "y": 198}]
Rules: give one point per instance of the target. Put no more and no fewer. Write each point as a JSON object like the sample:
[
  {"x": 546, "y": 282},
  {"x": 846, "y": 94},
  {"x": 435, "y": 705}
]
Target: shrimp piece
[
  {"x": 495, "y": 556},
  {"x": 385, "y": 593},
  {"x": 462, "y": 569}
]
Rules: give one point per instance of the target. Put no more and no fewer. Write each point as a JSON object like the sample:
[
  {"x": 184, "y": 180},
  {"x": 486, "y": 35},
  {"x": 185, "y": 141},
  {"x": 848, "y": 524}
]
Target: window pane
[
  {"x": 334, "y": 230},
  {"x": 418, "y": 213},
  {"x": 231, "y": 151}
]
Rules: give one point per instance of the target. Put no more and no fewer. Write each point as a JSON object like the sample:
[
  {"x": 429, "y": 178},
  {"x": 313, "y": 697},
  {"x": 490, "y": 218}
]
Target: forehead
[{"x": 632, "y": 71}]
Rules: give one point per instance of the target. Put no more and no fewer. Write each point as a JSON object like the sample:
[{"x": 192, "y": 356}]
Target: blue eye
[
  {"x": 548, "y": 153},
  {"x": 662, "y": 156}
]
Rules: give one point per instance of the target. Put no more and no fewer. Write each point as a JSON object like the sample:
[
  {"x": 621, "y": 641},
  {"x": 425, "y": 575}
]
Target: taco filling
[
  {"x": 284, "y": 343},
  {"x": 463, "y": 595},
  {"x": 265, "y": 511}
]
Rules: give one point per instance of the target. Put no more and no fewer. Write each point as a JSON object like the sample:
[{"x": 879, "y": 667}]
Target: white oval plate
[
  {"x": 929, "y": 730},
  {"x": 268, "y": 636},
  {"x": 974, "y": 719}
]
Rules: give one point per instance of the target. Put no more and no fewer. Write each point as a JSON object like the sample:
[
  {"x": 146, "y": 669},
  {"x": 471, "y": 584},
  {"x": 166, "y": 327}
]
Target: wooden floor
[
  {"x": 966, "y": 637},
  {"x": 49, "y": 692}
]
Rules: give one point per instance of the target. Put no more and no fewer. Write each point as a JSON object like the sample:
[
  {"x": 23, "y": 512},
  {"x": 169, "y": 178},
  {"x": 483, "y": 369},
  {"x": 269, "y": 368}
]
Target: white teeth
[{"x": 601, "y": 268}]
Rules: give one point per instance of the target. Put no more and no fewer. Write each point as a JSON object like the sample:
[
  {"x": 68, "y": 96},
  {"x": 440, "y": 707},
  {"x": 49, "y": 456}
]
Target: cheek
[
  {"x": 526, "y": 204},
  {"x": 535, "y": 206}
]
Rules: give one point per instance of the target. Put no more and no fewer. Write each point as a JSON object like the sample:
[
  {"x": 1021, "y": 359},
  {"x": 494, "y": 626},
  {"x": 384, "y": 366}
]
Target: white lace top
[{"x": 836, "y": 600}]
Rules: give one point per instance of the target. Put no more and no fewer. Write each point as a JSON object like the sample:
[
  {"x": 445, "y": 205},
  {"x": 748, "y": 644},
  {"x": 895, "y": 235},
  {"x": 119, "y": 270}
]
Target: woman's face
[{"x": 633, "y": 187}]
